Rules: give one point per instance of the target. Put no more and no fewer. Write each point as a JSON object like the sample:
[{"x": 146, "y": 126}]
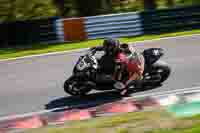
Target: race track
[{"x": 33, "y": 84}]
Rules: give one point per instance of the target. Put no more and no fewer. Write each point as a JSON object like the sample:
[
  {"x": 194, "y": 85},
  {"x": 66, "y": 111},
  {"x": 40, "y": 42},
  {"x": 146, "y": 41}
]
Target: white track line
[
  {"x": 81, "y": 50},
  {"x": 47, "y": 54},
  {"x": 152, "y": 94},
  {"x": 195, "y": 89}
]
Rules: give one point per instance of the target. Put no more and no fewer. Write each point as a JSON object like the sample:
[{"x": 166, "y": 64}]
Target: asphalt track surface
[{"x": 33, "y": 84}]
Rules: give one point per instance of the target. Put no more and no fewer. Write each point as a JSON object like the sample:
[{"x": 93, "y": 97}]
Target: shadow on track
[{"x": 91, "y": 100}]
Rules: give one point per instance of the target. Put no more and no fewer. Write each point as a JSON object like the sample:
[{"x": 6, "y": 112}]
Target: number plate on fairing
[{"x": 82, "y": 64}]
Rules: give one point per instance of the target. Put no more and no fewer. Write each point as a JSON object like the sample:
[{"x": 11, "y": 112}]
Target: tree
[
  {"x": 150, "y": 4},
  {"x": 12, "y": 10},
  {"x": 7, "y": 8},
  {"x": 60, "y": 6},
  {"x": 170, "y": 3},
  {"x": 82, "y": 7},
  {"x": 65, "y": 7},
  {"x": 93, "y": 7}
]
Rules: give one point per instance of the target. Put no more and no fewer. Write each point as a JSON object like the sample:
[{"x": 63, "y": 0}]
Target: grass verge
[
  {"x": 140, "y": 122},
  {"x": 6, "y": 53}
]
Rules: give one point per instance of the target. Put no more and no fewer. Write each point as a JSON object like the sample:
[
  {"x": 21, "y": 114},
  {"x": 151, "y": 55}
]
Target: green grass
[
  {"x": 6, "y": 53},
  {"x": 140, "y": 122}
]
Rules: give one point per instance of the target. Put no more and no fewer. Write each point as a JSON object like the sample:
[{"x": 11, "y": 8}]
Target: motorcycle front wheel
[{"x": 73, "y": 87}]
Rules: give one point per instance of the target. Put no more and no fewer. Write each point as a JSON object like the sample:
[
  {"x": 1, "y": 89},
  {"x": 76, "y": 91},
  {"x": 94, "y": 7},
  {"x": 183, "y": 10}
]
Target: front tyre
[
  {"x": 163, "y": 70},
  {"x": 73, "y": 87}
]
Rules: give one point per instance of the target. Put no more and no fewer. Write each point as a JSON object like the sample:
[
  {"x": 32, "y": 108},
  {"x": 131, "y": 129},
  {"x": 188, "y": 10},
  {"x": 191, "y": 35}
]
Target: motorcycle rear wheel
[{"x": 163, "y": 70}]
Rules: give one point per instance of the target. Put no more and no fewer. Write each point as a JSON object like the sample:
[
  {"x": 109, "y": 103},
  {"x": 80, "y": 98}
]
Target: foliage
[
  {"x": 66, "y": 8},
  {"x": 11, "y": 10}
]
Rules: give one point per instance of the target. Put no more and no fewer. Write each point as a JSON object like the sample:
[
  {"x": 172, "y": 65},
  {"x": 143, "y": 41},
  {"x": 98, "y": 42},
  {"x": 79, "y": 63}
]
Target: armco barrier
[
  {"x": 170, "y": 20},
  {"x": 28, "y": 32},
  {"x": 74, "y": 29},
  {"x": 114, "y": 25},
  {"x": 59, "y": 30},
  {"x": 146, "y": 22}
]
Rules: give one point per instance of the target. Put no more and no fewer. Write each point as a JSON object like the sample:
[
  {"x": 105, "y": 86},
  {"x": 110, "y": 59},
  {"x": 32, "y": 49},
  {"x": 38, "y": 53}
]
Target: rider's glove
[{"x": 119, "y": 85}]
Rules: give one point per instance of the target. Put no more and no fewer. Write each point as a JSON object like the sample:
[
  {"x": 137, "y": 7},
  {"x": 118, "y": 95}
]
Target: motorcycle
[{"x": 85, "y": 73}]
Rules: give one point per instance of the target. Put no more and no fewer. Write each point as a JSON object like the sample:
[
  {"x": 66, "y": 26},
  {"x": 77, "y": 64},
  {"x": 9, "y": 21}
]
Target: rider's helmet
[
  {"x": 129, "y": 50},
  {"x": 111, "y": 45},
  {"x": 125, "y": 48}
]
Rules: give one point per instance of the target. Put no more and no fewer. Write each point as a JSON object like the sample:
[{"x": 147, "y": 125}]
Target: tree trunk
[
  {"x": 11, "y": 12},
  {"x": 150, "y": 4},
  {"x": 106, "y": 5},
  {"x": 93, "y": 7},
  {"x": 60, "y": 4},
  {"x": 170, "y": 3}
]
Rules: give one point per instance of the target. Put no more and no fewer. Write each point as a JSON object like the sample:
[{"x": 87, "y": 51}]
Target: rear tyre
[
  {"x": 165, "y": 74},
  {"x": 163, "y": 70},
  {"x": 73, "y": 87}
]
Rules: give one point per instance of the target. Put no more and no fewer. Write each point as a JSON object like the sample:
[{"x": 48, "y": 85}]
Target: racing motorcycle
[{"x": 83, "y": 78}]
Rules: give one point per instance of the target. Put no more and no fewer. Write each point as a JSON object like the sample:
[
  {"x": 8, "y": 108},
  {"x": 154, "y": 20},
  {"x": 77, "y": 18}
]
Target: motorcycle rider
[
  {"x": 106, "y": 54},
  {"x": 132, "y": 67},
  {"x": 112, "y": 53}
]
